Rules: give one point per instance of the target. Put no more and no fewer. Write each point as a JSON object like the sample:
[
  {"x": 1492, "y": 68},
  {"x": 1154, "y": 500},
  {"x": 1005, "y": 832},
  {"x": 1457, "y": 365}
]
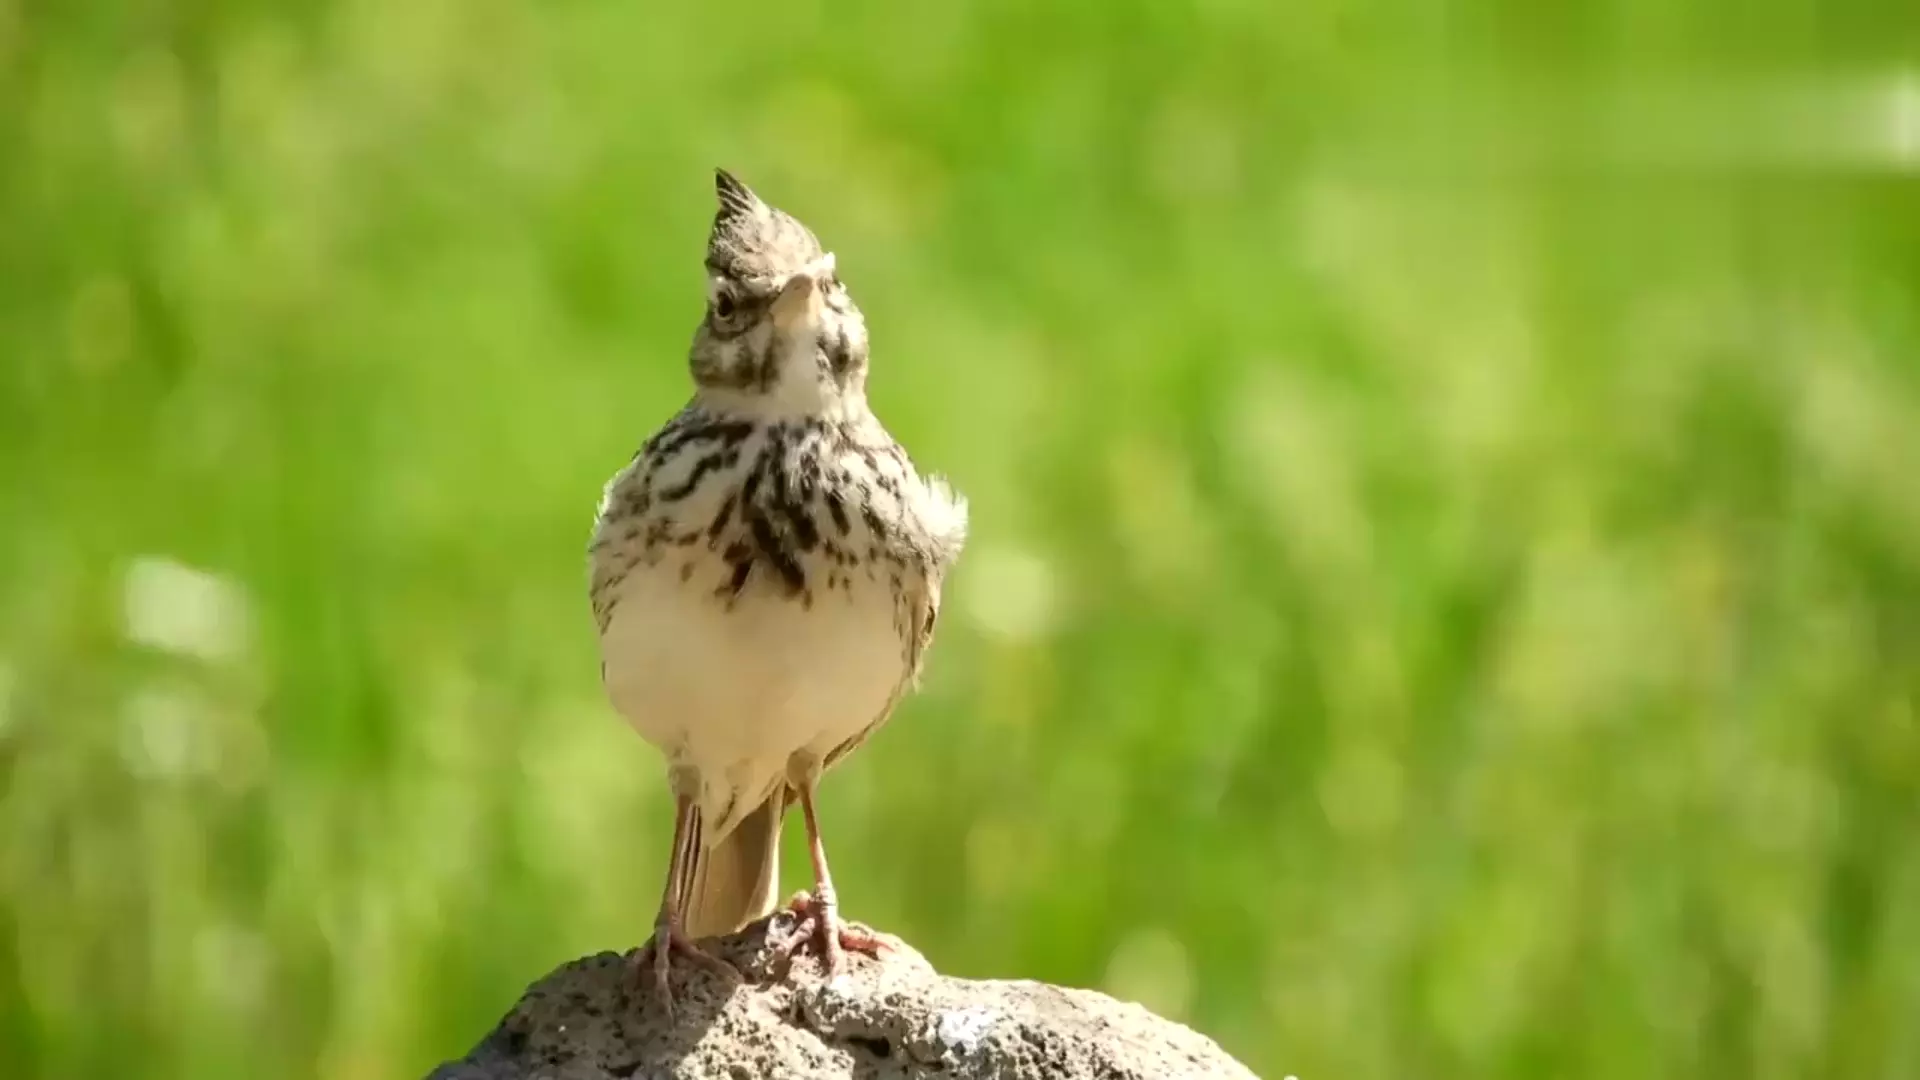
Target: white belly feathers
[
  {"x": 733, "y": 640},
  {"x": 738, "y": 692}
]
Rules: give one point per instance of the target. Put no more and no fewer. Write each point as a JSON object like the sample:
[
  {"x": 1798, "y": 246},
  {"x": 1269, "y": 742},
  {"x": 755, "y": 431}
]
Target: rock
[{"x": 894, "y": 1018}]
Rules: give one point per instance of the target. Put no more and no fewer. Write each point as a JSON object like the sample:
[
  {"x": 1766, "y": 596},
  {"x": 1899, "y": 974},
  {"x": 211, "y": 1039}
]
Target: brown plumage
[{"x": 766, "y": 575}]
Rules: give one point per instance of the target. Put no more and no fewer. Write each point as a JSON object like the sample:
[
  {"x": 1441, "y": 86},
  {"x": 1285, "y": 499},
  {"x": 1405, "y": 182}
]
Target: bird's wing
[{"x": 922, "y": 611}]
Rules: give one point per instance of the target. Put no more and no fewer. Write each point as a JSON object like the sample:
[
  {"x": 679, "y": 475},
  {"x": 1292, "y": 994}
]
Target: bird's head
[{"x": 781, "y": 334}]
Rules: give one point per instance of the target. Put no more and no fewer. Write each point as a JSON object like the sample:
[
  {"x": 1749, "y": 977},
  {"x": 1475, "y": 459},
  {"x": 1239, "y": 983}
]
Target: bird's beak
[{"x": 799, "y": 301}]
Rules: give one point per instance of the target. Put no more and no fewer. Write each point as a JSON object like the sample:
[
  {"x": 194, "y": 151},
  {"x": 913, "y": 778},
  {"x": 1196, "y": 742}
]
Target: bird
[{"x": 765, "y": 575}]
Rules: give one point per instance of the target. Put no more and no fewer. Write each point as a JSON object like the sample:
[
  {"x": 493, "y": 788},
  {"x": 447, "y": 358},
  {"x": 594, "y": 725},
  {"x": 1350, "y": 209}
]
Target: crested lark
[{"x": 765, "y": 574}]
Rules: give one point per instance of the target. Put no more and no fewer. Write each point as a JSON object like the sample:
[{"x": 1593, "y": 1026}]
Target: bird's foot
[
  {"x": 820, "y": 926},
  {"x": 652, "y": 960}
]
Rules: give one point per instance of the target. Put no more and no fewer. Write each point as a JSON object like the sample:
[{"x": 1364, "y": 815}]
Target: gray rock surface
[{"x": 889, "y": 1019}]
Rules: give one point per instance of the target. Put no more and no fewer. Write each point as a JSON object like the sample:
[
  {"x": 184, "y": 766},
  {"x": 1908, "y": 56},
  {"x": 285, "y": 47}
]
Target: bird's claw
[
  {"x": 656, "y": 953},
  {"x": 821, "y": 926}
]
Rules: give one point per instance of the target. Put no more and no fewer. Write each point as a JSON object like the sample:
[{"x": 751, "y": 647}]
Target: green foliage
[{"x": 1445, "y": 595}]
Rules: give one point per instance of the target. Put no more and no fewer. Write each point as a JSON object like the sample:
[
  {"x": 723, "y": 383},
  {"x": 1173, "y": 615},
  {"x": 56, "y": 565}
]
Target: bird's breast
[
  {"x": 735, "y": 687},
  {"x": 749, "y": 610}
]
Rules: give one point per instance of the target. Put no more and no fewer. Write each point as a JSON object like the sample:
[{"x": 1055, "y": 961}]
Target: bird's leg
[
  {"x": 820, "y": 921},
  {"x": 668, "y": 938}
]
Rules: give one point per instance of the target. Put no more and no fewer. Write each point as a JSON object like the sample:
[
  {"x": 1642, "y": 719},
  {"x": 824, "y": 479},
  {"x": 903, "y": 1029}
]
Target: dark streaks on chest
[
  {"x": 636, "y": 502},
  {"x": 837, "y": 510},
  {"x": 751, "y": 485},
  {"x": 770, "y": 549},
  {"x": 691, "y": 428},
  {"x": 691, "y": 484},
  {"x": 805, "y": 533},
  {"x": 774, "y": 506},
  {"x": 791, "y": 499},
  {"x": 807, "y": 485},
  {"x": 720, "y": 520},
  {"x": 737, "y": 581},
  {"x": 690, "y": 432}
]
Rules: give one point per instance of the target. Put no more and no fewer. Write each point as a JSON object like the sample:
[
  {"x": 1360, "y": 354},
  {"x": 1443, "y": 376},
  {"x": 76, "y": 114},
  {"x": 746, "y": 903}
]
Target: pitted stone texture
[{"x": 891, "y": 1019}]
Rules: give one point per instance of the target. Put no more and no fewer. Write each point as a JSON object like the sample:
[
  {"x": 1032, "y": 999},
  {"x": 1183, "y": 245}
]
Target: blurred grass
[{"x": 1446, "y": 589}]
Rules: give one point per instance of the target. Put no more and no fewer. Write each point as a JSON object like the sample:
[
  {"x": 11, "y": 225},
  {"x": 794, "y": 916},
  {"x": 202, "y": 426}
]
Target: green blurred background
[{"x": 1445, "y": 589}]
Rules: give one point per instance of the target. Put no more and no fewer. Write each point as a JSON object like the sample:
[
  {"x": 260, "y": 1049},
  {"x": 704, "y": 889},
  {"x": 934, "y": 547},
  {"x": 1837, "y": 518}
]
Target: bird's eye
[{"x": 723, "y": 305}]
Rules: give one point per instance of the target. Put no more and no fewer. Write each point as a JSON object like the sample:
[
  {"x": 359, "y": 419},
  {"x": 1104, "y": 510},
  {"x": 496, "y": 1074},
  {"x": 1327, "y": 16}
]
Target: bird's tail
[{"x": 737, "y": 880}]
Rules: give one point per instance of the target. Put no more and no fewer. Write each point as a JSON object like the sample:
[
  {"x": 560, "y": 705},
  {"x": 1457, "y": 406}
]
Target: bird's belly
[{"x": 735, "y": 692}]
